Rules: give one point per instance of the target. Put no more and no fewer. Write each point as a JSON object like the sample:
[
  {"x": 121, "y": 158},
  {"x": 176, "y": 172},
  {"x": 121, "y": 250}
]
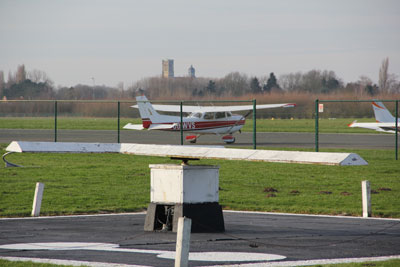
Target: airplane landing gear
[
  {"x": 229, "y": 139},
  {"x": 191, "y": 138}
]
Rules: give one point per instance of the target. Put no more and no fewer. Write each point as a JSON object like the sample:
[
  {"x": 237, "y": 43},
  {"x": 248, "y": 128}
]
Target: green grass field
[
  {"x": 263, "y": 125},
  {"x": 102, "y": 183}
]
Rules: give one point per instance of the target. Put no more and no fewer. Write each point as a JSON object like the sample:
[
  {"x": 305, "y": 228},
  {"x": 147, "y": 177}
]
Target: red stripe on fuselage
[
  {"x": 206, "y": 125},
  {"x": 195, "y": 125},
  {"x": 217, "y": 124}
]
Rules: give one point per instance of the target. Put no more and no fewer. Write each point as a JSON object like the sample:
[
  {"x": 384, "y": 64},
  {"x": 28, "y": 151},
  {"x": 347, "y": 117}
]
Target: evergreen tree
[
  {"x": 271, "y": 83},
  {"x": 255, "y": 86},
  {"x": 211, "y": 87}
]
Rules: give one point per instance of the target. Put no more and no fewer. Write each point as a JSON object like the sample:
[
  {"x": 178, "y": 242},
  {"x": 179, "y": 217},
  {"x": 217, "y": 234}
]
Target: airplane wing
[
  {"x": 131, "y": 126},
  {"x": 161, "y": 126},
  {"x": 190, "y": 109},
  {"x": 174, "y": 108},
  {"x": 388, "y": 127},
  {"x": 153, "y": 126}
]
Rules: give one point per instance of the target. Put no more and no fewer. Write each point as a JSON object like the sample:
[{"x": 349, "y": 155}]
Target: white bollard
[
  {"x": 366, "y": 198},
  {"x": 183, "y": 242},
  {"x": 37, "y": 199}
]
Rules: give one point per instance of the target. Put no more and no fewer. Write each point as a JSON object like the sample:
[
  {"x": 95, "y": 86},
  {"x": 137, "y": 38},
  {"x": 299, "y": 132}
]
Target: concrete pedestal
[{"x": 184, "y": 190}]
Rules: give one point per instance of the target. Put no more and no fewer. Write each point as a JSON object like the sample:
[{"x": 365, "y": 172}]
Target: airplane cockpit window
[
  {"x": 228, "y": 114},
  {"x": 219, "y": 115},
  {"x": 195, "y": 115},
  {"x": 209, "y": 116}
]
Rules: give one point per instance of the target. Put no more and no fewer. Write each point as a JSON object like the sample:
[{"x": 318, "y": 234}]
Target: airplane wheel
[
  {"x": 231, "y": 141},
  {"x": 191, "y": 139}
]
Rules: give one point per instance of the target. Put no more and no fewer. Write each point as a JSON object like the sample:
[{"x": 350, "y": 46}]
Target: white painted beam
[{"x": 200, "y": 152}]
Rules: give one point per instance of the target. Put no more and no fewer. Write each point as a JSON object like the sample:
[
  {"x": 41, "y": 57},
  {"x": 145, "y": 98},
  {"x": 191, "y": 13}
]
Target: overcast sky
[{"x": 125, "y": 40}]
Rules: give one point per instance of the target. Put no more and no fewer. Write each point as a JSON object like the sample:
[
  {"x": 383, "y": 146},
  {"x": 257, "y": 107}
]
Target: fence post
[
  {"x": 181, "y": 110},
  {"x": 366, "y": 198},
  {"x": 55, "y": 121},
  {"x": 119, "y": 115},
  {"x": 183, "y": 242},
  {"x": 397, "y": 131},
  {"x": 254, "y": 125},
  {"x": 316, "y": 125},
  {"x": 37, "y": 199}
]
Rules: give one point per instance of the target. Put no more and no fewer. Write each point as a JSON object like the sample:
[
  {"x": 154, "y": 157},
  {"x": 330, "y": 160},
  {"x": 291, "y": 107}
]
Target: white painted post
[
  {"x": 366, "y": 198},
  {"x": 37, "y": 199},
  {"x": 183, "y": 242}
]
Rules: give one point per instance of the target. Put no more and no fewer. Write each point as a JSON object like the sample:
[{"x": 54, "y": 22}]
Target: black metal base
[{"x": 206, "y": 217}]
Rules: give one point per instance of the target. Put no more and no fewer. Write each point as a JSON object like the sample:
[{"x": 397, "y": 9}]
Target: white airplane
[
  {"x": 385, "y": 122},
  {"x": 217, "y": 120}
]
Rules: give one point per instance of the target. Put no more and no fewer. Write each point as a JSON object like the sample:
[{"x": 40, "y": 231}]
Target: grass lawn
[
  {"x": 103, "y": 183},
  {"x": 72, "y": 123},
  {"x": 263, "y": 125}
]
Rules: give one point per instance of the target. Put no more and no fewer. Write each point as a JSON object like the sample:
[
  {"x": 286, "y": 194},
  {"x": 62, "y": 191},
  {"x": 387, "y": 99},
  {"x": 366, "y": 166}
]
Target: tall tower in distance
[
  {"x": 168, "y": 68},
  {"x": 192, "y": 72}
]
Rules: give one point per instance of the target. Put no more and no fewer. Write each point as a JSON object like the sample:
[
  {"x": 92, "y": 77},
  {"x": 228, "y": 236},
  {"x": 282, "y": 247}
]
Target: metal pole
[
  {"x": 181, "y": 124},
  {"x": 119, "y": 115},
  {"x": 254, "y": 125},
  {"x": 316, "y": 125},
  {"x": 397, "y": 131},
  {"x": 55, "y": 121}
]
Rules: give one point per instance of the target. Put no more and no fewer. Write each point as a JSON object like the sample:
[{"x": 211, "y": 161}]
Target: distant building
[
  {"x": 192, "y": 72},
  {"x": 168, "y": 68}
]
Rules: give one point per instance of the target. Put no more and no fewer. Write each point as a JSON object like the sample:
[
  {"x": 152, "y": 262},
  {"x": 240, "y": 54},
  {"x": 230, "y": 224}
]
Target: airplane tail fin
[
  {"x": 148, "y": 114},
  {"x": 382, "y": 114}
]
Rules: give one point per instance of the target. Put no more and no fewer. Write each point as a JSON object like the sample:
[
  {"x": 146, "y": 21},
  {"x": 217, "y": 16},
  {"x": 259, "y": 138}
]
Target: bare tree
[
  {"x": 39, "y": 76},
  {"x": 384, "y": 75},
  {"x": 235, "y": 84},
  {"x": 363, "y": 82},
  {"x": 393, "y": 85},
  {"x": 21, "y": 74},
  {"x": 290, "y": 82},
  {"x": 120, "y": 87},
  {"x": 11, "y": 80},
  {"x": 2, "y": 83},
  {"x": 312, "y": 82}
]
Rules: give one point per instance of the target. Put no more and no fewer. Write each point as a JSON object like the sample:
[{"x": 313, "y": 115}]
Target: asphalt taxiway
[
  {"x": 295, "y": 140},
  {"x": 251, "y": 239}
]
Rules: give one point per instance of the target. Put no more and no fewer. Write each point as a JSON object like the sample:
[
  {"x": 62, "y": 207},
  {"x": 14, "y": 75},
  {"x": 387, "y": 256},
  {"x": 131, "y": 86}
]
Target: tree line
[{"x": 36, "y": 84}]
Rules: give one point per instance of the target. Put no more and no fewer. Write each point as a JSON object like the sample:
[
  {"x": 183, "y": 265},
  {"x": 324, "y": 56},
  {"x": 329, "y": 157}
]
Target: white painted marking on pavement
[
  {"x": 70, "y": 262},
  {"x": 193, "y": 256}
]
